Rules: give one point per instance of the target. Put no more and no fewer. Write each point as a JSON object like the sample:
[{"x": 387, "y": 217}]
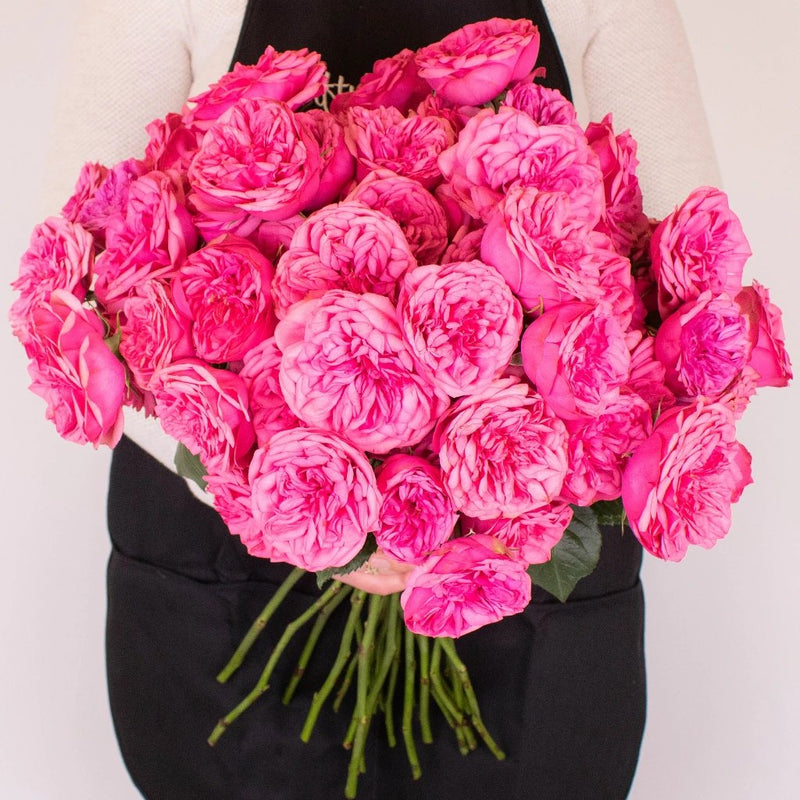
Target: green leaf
[
  {"x": 609, "y": 512},
  {"x": 190, "y": 466},
  {"x": 573, "y": 558},
  {"x": 360, "y": 558}
]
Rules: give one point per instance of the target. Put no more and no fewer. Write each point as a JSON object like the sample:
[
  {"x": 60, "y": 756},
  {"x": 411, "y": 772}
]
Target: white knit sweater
[{"x": 133, "y": 62}]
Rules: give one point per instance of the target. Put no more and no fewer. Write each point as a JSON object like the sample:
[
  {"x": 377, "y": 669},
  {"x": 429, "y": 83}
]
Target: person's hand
[{"x": 379, "y": 575}]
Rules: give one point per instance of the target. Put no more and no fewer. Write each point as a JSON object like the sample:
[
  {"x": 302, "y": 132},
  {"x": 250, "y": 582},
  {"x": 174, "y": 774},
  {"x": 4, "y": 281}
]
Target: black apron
[{"x": 562, "y": 686}]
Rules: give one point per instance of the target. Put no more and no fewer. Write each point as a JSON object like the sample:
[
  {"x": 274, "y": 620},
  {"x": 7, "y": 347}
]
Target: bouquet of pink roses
[{"x": 424, "y": 315}]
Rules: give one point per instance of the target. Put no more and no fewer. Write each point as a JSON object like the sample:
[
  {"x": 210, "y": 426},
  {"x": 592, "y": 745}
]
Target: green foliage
[
  {"x": 190, "y": 466},
  {"x": 370, "y": 546}
]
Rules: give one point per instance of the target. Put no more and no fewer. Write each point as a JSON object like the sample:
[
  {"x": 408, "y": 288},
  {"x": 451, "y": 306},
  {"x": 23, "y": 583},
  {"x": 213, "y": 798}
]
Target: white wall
[{"x": 722, "y": 628}]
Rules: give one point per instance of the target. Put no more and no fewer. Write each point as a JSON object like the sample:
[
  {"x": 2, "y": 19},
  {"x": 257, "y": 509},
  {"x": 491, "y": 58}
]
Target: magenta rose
[
  {"x": 678, "y": 486},
  {"x": 647, "y": 374},
  {"x": 468, "y": 583},
  {"x": 90, "y": 179},
  {"x": 337, "y": 165},
  {"x": 462, "y": 323},
  {"x": 740, "y": 393},
  {"x": 172, "y": 143},
  {"x": 420, "y": 216},
  {"x": 501, "y": 451},
  {"x": 466, "y": 246},
  {"x": 74, "y": 371},
  {"x": 347, "y": 369},
  {"x": 224, "y": 288},
  {"x": 345, "y": 246},
  {"x": 700, "y": 246},
  {"x": 545, "y": 106},
  {"x": 473, "y": 65},
  {"x": 416, "y": 515},
  {"x": 314, "y": 500},
  {"x": 206, "y": 410},
  {"x": 230, "y": 491}
]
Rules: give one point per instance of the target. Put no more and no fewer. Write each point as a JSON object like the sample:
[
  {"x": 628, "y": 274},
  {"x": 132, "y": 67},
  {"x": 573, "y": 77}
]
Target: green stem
[
  {"x": 392, "y": 685},
  {"x": 260, "y": 623},
  {"x": 348, "y": 679},
  {"x": 424, "y": 688},
  {"x": 445, "y": 701},
  {"x": 408, "y": 706}
]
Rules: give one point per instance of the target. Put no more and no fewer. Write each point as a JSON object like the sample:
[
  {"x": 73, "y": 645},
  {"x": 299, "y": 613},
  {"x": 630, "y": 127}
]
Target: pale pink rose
[
  {"x": 75, "y": 372},
  {"x": 420, "y": 216},
  {"x": 699, "y": 246},
  {"x": 466, "y": 246},
  {"x": 291, "y": 76},
  {"x": 90, "y": 179},
  {"x": 347, "y": 369},
  {"x": 704, "y": 346},
  {"x": 337, "y": 165},
  {"x": 495, "y": 151},
  {"x": 230, "y": 491},
  {"x": 206, "y": 410},
  {"x": 60, "y": 256},
  {"x": 600, "y": 446},
  {"x": 345, "y": 246},
  {"x": 647, "y": 374},
  {"x": 314, "y": 499},
  {"x": 678, "y": 486},
  {"x": 259, "y": 159},
  {"x": 393, "y": 82},
  {"x": 224, "y": 288},
  {"x": 623, "y": 219},
  {"x": 172, "y": 143},
  {"x": 473, "y": 65},
  {"x": 408, "y": 146},
  {"x": 530, "y": 537},
  {"x": 501, "y": 450},
  {"x": 577, "y": 356},
  {"x": 151, "y": 241},
  {"x": 416, "y": 515},
  {"x": 268, "y": 409},
  {"x": 461, "y": 322},
  {"x": 153, "y": 333},
  {"x": 470, "y": 582},
  {"x": 769, "y": 357},
  {"x": 545, "y": 106}
]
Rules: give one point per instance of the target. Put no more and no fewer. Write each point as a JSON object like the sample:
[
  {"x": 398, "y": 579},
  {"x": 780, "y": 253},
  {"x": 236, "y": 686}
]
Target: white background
[{"x": 723, "y": 637}]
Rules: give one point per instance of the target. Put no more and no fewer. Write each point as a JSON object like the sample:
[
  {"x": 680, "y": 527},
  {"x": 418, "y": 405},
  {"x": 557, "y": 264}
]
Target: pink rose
[
  {"x": 224, "y": 288},
  {"x": 545, "y": 106},
  {"x": 75, "y": 372},
  {"x": 473, "y": 65},
  {"x": 90, "y": 179},
  {"x": 230, "y": 491},
  {"x": 345, "y": 246},
  {"x": 530, "y": 537},
  {"x": 206, "y": 410},
  {"x": 347, "y": 369},
  {"x": 700, "y": 246},
  {"x": 172, "y": 143},
  {"x": 461, "y": 322},
  {"x": 314, "y": 500},
  {"x": 577, "y": 356},
  {"x": 678, "y": 486},
  {"x": 738, "y": 396},
  {"x": 496, "y": 151},
  {"x": 60, "y": 256},
  {"x": 466, "y": 246},
  {"x": 470, "y": 582},
  {"x": 416, "y": 515},
  {"x": 501, "y": 451},
  {"x": 420, "y": 216},
  {"x": 647, "y": 374}
]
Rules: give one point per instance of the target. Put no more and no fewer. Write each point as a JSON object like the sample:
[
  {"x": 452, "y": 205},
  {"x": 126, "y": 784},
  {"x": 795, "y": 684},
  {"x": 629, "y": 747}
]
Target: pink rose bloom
[
  {"x": 461, "y": 322},
  {"x": 268, "y": 408},
  {"x": 90, "y": 179},
  {"x": 699, "y": 246},
  {"x": 648, "y": 374},
  {"x": 470, "y": 582},
  {"x": 704, "y": 346},
  {"x": 206, "y": 410},
  {"x": 496, "y": 151},
  {"x": 151, "y": 241},
  {"x": 347, "y": 369},
  {"x": 545, "y": 106},
  {"x": 739, "y": 394},
  {"x": 292, "y": 76},
  {"x": 60, "y": 256},
  {"x": 224, "y": 288},
  {"x": 337, "y": 165},
  {"x": 314, "y": 500},
  {"x": 577, "y": 357},
  {"x": 153, "y": 333},
  {"x": 230, "y": 491},
  {"x": 420, "y": 216},
  {"x": 393, "y": 82},
  {"x": 769, "y": 357},
  {"x": 501, "y": 451},
  {"x": 473, "y": 65},
  {"x": 172, "y": 143},
  {"x": 408, "y": 146},
  {"x": 345, "y": 246},
  {"x": 259, "y": 159},
  {"x": 678, "y": 486},
  {"x": 466, "y": 246},
  {"x": 74, "y": 371},
  {"x": 600, "y": 446},
  {"x": 530, "y": 537},
  {"x": 623, "y": 219},
  {"x": 416, "y": 515}
]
